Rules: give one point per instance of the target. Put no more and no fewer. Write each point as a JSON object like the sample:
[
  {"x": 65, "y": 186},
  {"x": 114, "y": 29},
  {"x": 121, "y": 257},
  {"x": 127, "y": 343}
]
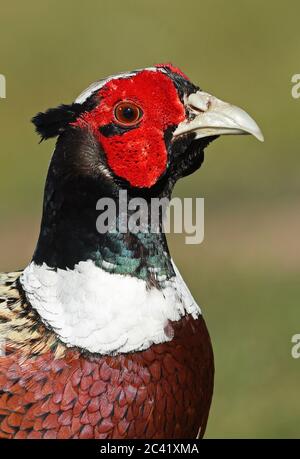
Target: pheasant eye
[{"x": 128, "y": 113}]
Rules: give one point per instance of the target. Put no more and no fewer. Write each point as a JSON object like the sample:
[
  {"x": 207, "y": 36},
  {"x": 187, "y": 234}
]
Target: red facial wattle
[{"x": 138, "y": 155}]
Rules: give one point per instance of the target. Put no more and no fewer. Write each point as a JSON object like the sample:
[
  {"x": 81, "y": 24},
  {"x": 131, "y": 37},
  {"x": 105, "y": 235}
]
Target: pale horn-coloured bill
[{"x": 212, "y": 117}]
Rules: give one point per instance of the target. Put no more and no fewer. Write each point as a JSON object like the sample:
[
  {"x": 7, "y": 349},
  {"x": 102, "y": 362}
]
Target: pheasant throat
[{"x": 106, "y": 293}]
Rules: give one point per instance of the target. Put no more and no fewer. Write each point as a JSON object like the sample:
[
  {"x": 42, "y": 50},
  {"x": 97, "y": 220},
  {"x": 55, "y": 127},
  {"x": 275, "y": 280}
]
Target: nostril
[
  {"x": 199, "y": 109},
  {"x": 199, "y": 102}
]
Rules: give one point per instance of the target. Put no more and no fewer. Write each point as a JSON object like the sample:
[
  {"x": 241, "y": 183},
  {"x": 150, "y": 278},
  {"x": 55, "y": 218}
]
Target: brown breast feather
[{"x": 50, "y": 391}]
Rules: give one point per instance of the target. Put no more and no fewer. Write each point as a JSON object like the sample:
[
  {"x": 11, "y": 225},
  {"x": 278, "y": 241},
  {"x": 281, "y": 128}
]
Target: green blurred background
[{"x": 246, "y": 273}]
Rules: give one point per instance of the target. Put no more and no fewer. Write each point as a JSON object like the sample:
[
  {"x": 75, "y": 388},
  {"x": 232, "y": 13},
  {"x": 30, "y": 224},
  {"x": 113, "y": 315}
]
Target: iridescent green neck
[
  {"x": 69, "y": 235},
  {"x": 143, "y": 255}
]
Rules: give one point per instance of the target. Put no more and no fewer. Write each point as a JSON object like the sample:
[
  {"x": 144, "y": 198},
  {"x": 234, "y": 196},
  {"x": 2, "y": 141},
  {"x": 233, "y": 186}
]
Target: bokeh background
[{"x": 246, "y": 273}]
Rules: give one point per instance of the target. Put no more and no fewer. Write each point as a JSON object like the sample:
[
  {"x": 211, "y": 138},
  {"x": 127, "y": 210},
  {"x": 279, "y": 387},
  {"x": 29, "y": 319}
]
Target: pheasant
[{"x": 100, "y": 336}]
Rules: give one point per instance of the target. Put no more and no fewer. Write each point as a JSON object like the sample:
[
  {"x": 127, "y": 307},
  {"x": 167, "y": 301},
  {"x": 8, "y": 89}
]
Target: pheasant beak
[{"x": 210, "y": 116}]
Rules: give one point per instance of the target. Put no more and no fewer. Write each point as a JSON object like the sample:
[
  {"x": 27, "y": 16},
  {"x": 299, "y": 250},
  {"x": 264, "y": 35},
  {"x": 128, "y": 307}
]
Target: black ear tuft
[{"x": 55, "y": 120}]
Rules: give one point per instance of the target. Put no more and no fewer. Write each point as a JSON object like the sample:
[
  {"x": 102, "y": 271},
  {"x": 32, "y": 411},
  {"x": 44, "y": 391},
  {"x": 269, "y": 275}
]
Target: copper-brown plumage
[{"x": 50, "y": 391}]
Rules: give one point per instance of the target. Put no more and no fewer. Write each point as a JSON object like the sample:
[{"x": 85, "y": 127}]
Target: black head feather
[{"x": 54, "y": 121}]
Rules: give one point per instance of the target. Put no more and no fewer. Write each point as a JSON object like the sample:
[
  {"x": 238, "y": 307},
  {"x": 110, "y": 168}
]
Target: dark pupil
[{"x": 128, "y": 113}]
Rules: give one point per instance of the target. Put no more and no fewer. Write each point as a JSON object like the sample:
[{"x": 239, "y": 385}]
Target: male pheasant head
[{"x": 142, "y": 130}]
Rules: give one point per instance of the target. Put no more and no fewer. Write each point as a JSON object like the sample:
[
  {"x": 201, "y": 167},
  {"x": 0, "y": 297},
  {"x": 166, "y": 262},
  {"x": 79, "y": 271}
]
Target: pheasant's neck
[
  {"x": 70, "y": 233},
  {"x": 105, "y": 293}
]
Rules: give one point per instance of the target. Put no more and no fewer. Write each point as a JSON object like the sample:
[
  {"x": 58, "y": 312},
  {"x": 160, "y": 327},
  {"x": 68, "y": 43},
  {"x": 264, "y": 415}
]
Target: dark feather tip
[{"x": 55, "y": 120}]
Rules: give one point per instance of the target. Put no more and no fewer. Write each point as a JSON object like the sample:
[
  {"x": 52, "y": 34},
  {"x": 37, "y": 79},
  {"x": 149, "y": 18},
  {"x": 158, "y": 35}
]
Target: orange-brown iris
[{"x": 128, "y": 113}]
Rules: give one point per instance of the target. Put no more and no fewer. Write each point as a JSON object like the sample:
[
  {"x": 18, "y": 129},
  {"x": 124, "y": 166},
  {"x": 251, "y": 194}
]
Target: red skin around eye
[{"x": 139, "y": 155}]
